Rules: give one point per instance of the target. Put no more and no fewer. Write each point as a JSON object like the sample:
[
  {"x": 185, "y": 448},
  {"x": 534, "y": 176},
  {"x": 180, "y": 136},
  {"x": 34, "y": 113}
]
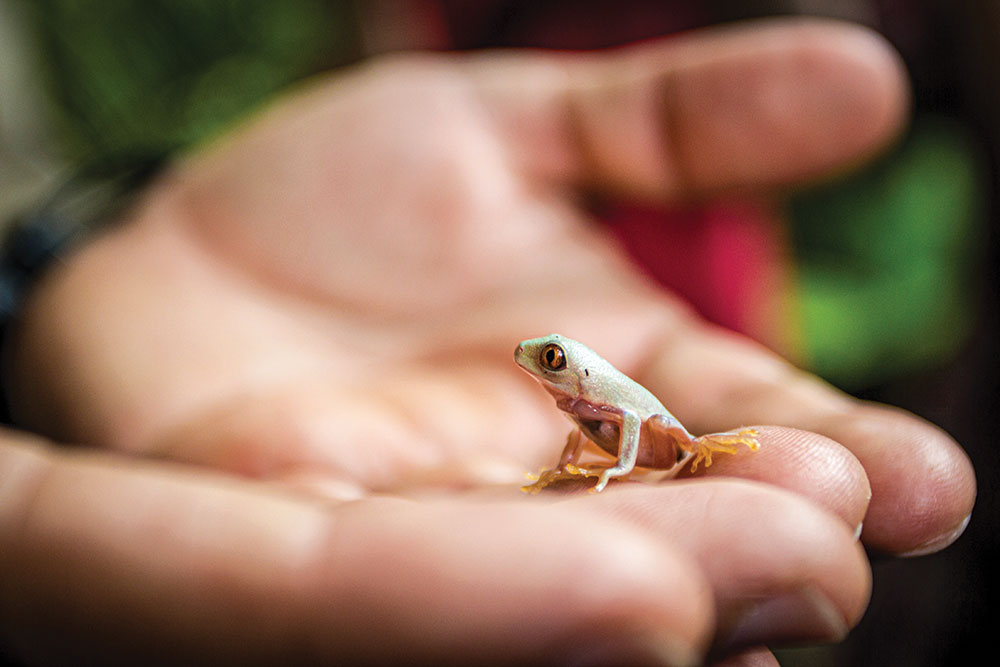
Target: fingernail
[
  {"x": 858, "y": 530},
  {"x": 804, "y": 615},
  {"x": 651, "y": 648},
  {"x": 939, "y": 542}
]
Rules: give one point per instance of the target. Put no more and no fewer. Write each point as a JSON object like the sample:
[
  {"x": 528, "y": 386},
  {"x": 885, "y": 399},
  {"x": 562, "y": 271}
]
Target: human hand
[{"x": 326, "y": 302}]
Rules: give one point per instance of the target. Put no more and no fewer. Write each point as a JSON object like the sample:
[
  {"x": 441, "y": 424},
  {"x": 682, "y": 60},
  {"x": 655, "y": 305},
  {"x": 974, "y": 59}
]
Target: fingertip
[
  {"x": 782, "y": 568},
  {"x": 802, "y": 99},
  {"x": 923, "y": 483},
  {"x": 805, "y": 463},
  {"x": 877, "y": 86},
  {"x": 869, "y": 67}
]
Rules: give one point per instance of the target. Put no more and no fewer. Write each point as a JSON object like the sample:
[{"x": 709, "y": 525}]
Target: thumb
[{"x": 764, "y": 104}]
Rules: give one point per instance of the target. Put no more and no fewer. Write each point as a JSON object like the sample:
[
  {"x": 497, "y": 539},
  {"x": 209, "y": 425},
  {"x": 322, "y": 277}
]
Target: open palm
[{"x": 326, "y": 302}]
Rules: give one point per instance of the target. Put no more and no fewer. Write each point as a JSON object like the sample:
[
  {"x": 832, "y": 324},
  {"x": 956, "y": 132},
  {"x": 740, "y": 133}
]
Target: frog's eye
[{"x": 552, "y": 358}]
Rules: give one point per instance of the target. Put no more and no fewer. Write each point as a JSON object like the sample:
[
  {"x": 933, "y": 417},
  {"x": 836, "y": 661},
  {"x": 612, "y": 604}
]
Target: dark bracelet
[{"x": 91, "y": 197}]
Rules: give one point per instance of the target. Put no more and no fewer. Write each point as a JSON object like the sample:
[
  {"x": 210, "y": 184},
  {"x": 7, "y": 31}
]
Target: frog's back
[
  {"x": 619, "y": 390},
  {"x": 602, "y": 383}
]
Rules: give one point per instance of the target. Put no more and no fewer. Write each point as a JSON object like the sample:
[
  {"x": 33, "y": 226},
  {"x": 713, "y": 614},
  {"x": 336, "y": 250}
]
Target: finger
[
  {"x": 327, "y": 444},
  {"x": 124, "y": 560},
  {"x": 922, "y": 483},
  {"x": 782, "y": 569},
  {"x": 758, "y": 104},
  {"x": 807, "y": 463}
]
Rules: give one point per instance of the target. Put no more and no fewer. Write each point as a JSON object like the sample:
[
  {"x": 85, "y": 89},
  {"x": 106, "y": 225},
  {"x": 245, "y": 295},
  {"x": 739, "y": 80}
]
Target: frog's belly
[
  {"x": 653, "y": 452},
  {"x": 603, "y": 434}
]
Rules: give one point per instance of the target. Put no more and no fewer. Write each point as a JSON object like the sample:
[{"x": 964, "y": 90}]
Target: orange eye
[{"x": 552, "y": 358}]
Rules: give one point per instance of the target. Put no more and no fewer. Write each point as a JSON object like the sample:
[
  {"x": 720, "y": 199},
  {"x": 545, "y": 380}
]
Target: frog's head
[{"x": 559, "y": 363}]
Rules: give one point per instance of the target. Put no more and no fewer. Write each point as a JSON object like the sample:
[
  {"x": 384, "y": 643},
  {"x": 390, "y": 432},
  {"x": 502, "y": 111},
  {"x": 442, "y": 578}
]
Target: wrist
[{"x": 38, "y": 241}]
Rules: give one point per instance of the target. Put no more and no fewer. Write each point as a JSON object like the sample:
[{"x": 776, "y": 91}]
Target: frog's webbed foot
[
  {"x": 603, "y": 473},
  {"x": 600, "y": 472},
  {"x": 544, "y": 478},
  {"x": 570, "y": 471},
  {"x": 728, "y": 443}
]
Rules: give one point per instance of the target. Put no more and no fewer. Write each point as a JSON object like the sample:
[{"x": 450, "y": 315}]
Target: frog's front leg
[
  {"x": 570, "y": 455},
  {"x": 628, "y": 452}
]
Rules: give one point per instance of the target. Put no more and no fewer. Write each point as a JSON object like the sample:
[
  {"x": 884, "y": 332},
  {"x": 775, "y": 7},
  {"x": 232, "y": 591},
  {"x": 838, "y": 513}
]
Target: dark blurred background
[{"x": 890, "y": 288}]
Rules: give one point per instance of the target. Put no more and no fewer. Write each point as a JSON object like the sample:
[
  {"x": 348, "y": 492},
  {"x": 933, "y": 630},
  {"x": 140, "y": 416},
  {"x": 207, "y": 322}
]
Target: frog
[{"x": 617, "y": 414}]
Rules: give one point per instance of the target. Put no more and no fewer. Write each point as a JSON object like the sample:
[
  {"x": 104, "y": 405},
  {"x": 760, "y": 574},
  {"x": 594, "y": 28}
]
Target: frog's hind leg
[
  {"x": 728, "y": 443},
  {"x": 668, "y": 437},
  {"x": 566, "y": 468}
]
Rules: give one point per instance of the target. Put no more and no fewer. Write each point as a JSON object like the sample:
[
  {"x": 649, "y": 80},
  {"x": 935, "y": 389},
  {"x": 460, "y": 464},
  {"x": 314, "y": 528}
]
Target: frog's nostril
[{"x": 519, "y": 350}]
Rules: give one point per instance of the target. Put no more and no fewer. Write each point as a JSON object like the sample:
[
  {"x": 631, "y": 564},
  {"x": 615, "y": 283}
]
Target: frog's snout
[{"x": 519, "y": 354}]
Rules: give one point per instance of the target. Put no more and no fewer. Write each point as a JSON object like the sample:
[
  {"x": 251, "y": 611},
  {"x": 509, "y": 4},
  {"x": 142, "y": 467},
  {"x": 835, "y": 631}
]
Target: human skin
[{"x": 302, "y": 431}]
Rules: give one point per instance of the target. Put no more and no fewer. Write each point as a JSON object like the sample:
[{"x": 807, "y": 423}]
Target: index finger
[{"x": 922, "y": 483}]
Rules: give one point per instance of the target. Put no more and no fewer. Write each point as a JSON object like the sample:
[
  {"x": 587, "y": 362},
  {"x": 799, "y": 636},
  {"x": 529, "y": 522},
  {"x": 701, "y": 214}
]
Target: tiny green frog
[{"x": 616, "y": 413}]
